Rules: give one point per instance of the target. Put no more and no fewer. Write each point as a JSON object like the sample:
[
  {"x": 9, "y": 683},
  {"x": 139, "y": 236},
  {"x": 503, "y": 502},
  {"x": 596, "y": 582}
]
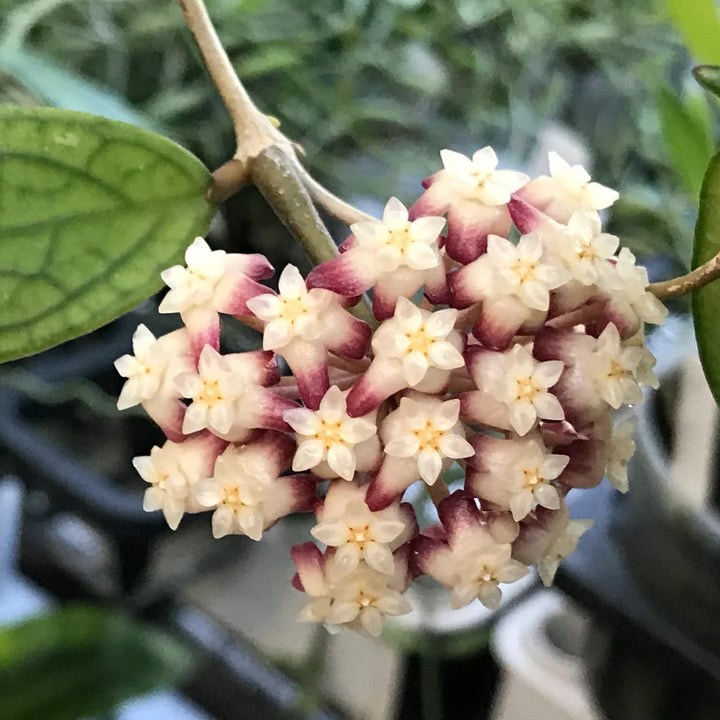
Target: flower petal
[
  {"x": 429, "y": 465},
  {"x": 455, "y": 446},
  {"x": 308, "y": 455},
  {"x": 342, "y": 461},
  {"x": 379, "y": 557}
]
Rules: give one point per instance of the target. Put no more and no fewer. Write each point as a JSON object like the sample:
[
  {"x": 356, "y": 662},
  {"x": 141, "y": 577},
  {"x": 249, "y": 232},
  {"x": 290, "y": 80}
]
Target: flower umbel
[{"x": 505, "y": 373}]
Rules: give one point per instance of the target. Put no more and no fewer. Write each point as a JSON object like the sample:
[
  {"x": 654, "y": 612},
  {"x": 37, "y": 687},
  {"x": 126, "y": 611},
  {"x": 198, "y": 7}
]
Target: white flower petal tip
[{"x": 622, "y": 450}]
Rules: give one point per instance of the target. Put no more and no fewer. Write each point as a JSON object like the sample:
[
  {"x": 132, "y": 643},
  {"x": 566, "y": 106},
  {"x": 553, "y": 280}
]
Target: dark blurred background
[{"x": 109, "y": 607}]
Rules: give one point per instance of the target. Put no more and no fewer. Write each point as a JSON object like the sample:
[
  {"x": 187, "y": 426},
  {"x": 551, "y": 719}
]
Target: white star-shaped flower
[
  {"x": 236, "y": 491},
  {"x": 360, "y": 599},
  {"x": 247, "y": 490},
  {"x": 169, "y": 486},
  {"x": 427, "y": 431},
  {"x": 419, "y": 340},
  {"x": 145, "y": 370},
  {"x": 395, "y": 242},
  {"x": 481, "y": 178},
  {"x": 522, "y": 383},
  {"x": 584, "y": 248},
  {"x": 328, "y": 434},
  {"x": 630, "y": 282},
  {"x": 576, "y": 183},
  {"x": 195, "y": 284},
  {"x": 213, "y": 391},
  {"x": 473, "y": 568},
  {"x": 520, "y": 271},
  {"x": 295, "y": 312},
  {"x": 614, "y": 367},
  {"x": 516, "y": 474},
  {"x": 347, "y": 524},
  {"x": 173, "y": 472}
]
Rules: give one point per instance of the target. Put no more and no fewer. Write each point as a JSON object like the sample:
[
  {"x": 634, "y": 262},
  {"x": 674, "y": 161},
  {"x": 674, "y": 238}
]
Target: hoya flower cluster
[{"x": 509, "y": 330}]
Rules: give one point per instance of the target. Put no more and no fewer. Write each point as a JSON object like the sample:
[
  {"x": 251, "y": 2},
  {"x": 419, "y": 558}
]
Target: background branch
[{"x": 254, "y": 131}]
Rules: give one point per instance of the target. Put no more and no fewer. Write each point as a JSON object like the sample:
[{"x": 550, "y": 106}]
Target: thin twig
[
  {"x": 581, "y": 316},
  {"x": 254, "y": 131},
  {"x": 461, "y": 384},
  {"x": 684, "y": 284},
  {"x": 348, "y": 364}
]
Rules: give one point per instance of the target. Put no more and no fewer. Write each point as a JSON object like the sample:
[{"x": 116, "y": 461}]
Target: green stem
[{"x": 275, "y": 175}]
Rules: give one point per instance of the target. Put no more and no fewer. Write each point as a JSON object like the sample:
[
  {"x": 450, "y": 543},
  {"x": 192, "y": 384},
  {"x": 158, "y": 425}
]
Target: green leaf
[
  {"x": 706, "y": 301},
  {"x": 82, "y": 661},
  {"x": 699, "y": 26},
  {"x": 687, "y": 134},
  {"x": 52, "y": 85},
  {"x": 91, "y": 211},
  {"x": 709, "y": 77}
]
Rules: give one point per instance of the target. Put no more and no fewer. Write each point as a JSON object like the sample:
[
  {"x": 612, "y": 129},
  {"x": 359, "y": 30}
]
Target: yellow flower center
[
  {"x": 525, "y": 271},
  {"x": 486, "y": 574},
  {"x": 232, "y": 498},
  {"x": 292, "y": 308},
  {"x": 532, "y": 478},
  {"x": 400, "y": 239},
  {"x": 616, "y": 371},
  {"x": 329, "y": 433},
  {"x": 526, "y": 389},
  {"x": 428, "y": 436},
  {"x": 363, "y": 600},
  {"x": 419, "y": 341},
  {"x": 160, "y": 480},
  {"x": 210, "y": 392},
  {"x": 359, "y": 535}
]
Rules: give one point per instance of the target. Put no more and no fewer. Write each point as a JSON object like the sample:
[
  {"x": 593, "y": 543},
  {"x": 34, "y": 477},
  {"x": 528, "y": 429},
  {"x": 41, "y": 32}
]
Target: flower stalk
[{"x": 694, "y": 280}]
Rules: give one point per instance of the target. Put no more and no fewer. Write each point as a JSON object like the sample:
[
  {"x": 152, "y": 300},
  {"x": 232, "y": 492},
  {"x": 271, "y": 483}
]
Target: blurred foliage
[
  {"x": 699, "y": 25},
  {"x": 83, "y": 661},
  {"x": 372, "y": 89}
]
